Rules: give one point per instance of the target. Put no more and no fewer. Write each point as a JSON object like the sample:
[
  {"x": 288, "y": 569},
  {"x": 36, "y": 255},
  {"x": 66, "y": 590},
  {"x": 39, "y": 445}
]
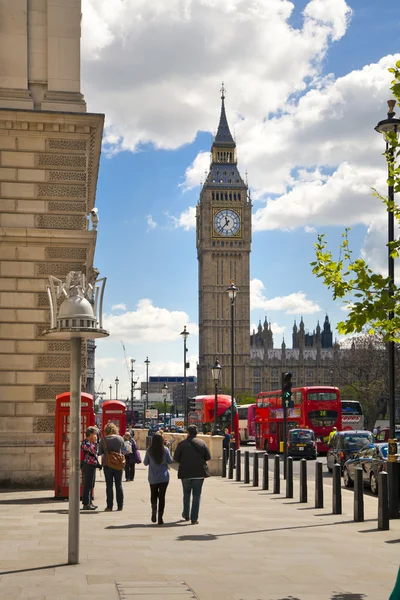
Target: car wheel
[
  {"x": 266, "y": 447},
  {"x": 347, "y": 480},
  {"x": 373, "y": 481}
]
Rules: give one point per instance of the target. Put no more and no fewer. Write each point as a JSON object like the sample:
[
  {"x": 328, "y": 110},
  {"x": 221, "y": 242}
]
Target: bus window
[
  {"x": 322, "y": 396},
  {"x": 272, "y": 427}
]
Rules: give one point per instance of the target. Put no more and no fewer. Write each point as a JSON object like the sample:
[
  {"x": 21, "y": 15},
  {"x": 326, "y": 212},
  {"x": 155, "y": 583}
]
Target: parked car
[
  {"x": 372, "y": 459},
  {"x": 345, "y": 445},
  {"x": 384, "y": 435},
  {"x": 301, "y": 442}
]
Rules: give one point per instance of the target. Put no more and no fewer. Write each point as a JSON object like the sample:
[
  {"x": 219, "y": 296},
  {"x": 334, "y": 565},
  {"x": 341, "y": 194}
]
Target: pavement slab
[{"x": 249, "y": 545}]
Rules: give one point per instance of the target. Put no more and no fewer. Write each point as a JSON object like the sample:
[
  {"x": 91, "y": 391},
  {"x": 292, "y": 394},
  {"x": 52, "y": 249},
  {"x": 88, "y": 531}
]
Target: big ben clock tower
[{"x": 223, "y": 230}]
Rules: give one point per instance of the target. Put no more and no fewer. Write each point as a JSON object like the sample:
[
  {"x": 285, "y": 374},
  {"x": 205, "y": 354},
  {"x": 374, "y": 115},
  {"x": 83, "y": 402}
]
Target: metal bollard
[
  {"x": 265, "y": 485},
  {"x": 255, "y": 469},
  {"x": 238, "y": 465},
  {"x": 277, "y": 475},
  {"x": 231, "y": 463},
  {"x": 247, "y": 467},
  {"x": 289, "y": 477},
  {"x": 358, "y": 495},
  {"x": 224, "y": 461},
  {"x": 319, "y": 487},
  {"x": 337, "y": 490},
  {"x": 383, "y": 501},
  {"x": 303, "y": 480}
]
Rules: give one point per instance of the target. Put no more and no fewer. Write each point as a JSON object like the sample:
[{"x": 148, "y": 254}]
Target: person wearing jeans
[
  {"x": 158, "y": 458},
  {"x": 192, "y": 456},
  {"x": 112, "y": 442},
  {"x": 89, "y": 464}
]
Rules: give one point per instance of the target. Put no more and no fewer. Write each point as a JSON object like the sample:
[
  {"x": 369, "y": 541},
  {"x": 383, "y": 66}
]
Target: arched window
[
  {"x": 226, "y": 195},
  {"x": 230, "y": 195},
  {"x": 234, "y": 196},
  {"x": 239, "y": 196},
  {"x": 212, "y": 195}
]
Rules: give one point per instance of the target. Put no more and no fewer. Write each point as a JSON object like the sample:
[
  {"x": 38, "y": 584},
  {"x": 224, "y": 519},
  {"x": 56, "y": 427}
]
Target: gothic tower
[{"x": 223, "y": 250}]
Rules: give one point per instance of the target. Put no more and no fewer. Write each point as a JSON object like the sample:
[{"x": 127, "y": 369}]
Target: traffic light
[
  {"x": 191, "y": 404},
  {"x": 287, "y": 390},
  {"x": 172, "y": 409}
]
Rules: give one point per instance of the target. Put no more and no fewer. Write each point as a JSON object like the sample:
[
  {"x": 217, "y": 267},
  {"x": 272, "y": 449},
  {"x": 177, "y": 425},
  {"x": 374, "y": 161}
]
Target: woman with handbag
[
  {"x": 158, "y": 458},
  {"x": 113, "y": 465}
]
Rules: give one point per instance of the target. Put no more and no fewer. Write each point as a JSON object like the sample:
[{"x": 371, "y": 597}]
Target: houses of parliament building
[{"x": 223, "y": 239}]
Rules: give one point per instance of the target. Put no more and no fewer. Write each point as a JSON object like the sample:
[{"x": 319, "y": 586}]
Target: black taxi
[{"x": 301, "y": 442}]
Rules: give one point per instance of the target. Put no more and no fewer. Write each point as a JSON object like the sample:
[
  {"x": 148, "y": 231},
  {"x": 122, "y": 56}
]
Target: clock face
[{"x": 227, "y": 222}]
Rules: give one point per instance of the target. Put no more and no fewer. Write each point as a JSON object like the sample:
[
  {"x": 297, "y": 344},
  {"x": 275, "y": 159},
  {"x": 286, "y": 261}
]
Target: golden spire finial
[{"x": 222, "y": 90}]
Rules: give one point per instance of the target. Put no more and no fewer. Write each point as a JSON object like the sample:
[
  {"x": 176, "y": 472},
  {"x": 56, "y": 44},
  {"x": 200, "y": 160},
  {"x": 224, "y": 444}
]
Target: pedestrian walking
[
  {"x": 127, "y": 452},
  {"x": 89, "y": 464},
  {"x": 158, "y": 458},
  {"x": 111, "y": 448},
  {"x": 192, "y": 456},
  {"x": 227, "y": 440},
  {"x": 135, "y": 457}
]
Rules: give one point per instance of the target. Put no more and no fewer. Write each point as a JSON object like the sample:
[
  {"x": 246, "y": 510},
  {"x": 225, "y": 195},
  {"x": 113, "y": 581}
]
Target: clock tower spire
[{"x": 223, "y": 227}]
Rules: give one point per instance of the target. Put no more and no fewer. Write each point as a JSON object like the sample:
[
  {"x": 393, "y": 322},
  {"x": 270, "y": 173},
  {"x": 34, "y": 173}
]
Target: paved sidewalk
[{"x": 249, "y": 545}]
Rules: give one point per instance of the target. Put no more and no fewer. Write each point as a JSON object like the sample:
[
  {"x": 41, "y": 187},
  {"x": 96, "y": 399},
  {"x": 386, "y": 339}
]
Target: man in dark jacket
[{"x": 192, "y": 456}]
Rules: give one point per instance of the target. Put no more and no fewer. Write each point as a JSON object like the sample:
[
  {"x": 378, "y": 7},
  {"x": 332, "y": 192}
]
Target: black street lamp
[
  {"x": 164, "y": 392},
  {"x": 216, "y": 375},
  {"x": 185, "y": 335},
  {"x": 391, "y": 126},
  {"x": 132, "y": 386},
  {"x": 116, "y": 387},
  {"x": 147, "y": 362},
  {"x": 144, "y": 400},
  {"x": 110, "y": 391},
  {"x": 232, "y": 292}
]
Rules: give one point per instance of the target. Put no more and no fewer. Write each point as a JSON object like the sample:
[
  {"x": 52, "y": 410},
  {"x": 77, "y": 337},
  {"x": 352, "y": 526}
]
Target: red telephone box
[
  {"x": 61, "y": 473},
  {"x": 113, "y": 411}
]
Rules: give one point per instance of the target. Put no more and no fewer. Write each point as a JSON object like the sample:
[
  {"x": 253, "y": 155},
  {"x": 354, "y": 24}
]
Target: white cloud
[
  {"x": 116, "y": 307},
  {"x": 296, "y": 303},
  {"x": 148, "y": 323},
  {"x": 186, "y": 220},
  {"x": 195, "y": 172},
  {"x": 105, "y": 361},
  {"x": 151, "y": 224},
  {"x": 161, "y": 59},
  {"x": 309, "y": 229}
]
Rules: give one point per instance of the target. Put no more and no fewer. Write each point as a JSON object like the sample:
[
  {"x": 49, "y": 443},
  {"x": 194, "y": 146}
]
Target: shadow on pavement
[
  {"x": 347, "y": 596},
  {"x": 392, "y": 542},
  {"x": 212, "y": 537},
  {"x": 145, "y": 525},
  {"x": 34, "y": 569},
  {"x": 29, "y": 501},
  {"x": 65, "y": 511}
]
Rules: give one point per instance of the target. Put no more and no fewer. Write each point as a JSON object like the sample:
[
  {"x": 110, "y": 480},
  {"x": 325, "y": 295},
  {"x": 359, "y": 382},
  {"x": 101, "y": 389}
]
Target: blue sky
[{"x": 306, "y": 83}]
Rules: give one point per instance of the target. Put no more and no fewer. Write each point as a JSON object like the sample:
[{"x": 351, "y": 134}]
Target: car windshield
[
  {"x": 299, "y": 435},
  {"x": 384, "y": 451},
  {"x": 357, "y": 440}
]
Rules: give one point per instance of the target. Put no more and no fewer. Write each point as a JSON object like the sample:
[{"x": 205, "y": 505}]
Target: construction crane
[{"x": 126, "y": 359}]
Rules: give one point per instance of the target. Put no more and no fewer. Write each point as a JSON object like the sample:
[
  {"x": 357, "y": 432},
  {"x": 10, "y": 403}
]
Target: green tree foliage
[{"x": 366, "y": 293}]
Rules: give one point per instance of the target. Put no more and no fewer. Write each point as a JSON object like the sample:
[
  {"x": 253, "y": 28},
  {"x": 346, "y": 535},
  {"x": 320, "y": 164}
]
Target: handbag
[
  {"x": 114, "y": 460},
  {"x": 206, "y": 470}
]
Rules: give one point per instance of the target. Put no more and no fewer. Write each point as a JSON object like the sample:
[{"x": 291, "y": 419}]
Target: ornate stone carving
[
  {"x": 67, "y": 144},
  {"x": 58, "y": 347},
  {"x": 49, "y": 190},
  {"x": 40, "y": 329},
  {"x": 60, "y": 222},
  {"x": 58, "y": 377},
  {"x": 68, "y": 207},
  {"x": 43, "y": 424},
  {"x": 58, "y": 269},
  {"x": 77, "y": 161},
  {"x": 43, "y": 300},
  {"x": 48, "y": 392},
  {"x": 67, "y": 176},
  {"x": 66, "y": 252},
  {"x": 55, "y": 361}
]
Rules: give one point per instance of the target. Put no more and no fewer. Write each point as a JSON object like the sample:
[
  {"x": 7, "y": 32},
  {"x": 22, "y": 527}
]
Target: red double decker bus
[
  {"x": 317, "y": 408},
  {"x": 203, "y": 416}
]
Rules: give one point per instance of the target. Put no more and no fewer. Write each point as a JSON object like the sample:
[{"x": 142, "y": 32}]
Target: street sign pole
[{"x": 284, "y": 407}]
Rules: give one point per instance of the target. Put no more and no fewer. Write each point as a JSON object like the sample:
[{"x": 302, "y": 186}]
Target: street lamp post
[
  {"x": 110, "y": 391},
  {"x": 164, "y": 395},
  {"x": 147, "y": 362},
  {"x": 391, "y": 126},
  {"x": 216, "y": 375},
  {"x": 185, "y": 335},
  {"x": 144, "y": 399},
  {"x": 116, "y": 387},
  {"x": 133, "y": 383},
  {"x": 232, "y": 292},
  {"x": 78, "y": 317}
]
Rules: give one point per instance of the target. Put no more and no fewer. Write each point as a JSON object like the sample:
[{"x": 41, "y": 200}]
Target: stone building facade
[
  {"x": 223, "y": 233},
  {"x": 311, "y": 360},
  {"x": 49, "y": 157}
]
